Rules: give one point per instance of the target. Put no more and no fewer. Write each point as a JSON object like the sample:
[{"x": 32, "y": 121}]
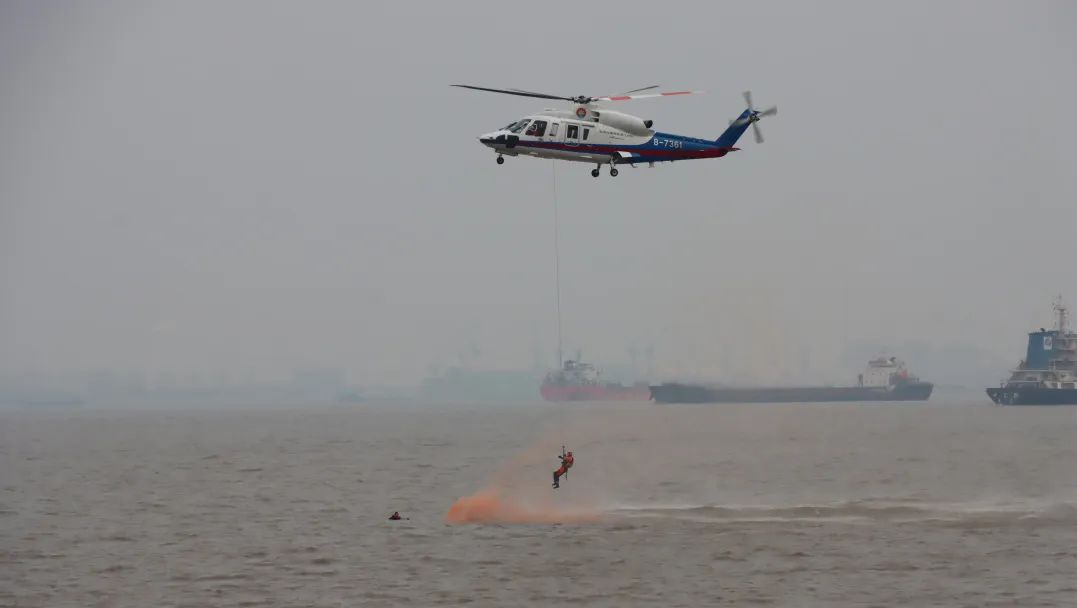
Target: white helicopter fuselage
[
  {"x": 563, "y": 135},
  {"x": 592, "y": 133},
  {"x": 596, "y": 135}
]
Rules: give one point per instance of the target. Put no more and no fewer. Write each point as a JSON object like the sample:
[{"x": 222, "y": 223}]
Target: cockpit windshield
[{"x": 519, "y": 126}]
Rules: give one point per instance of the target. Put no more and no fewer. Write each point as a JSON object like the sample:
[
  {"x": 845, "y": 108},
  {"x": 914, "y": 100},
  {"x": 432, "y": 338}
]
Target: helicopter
[{"x": 590, "y": 133}]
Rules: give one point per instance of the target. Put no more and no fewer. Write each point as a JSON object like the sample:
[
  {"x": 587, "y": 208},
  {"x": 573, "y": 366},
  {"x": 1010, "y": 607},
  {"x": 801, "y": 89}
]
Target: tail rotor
[{"x": 754, "y": 116}]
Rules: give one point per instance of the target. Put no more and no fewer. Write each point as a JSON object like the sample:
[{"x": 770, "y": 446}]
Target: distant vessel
[
  {"x": 1048, "y": 374},
  {"x": 885, "y": 379},
  {"x": 52, "y": 402},
  {"x": 578, "y": 381},
  {"x": 350, "y": 396}
]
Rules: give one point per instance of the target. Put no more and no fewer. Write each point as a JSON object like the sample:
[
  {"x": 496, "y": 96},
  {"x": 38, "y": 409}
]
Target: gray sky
[{"x": 257, "y": 187}]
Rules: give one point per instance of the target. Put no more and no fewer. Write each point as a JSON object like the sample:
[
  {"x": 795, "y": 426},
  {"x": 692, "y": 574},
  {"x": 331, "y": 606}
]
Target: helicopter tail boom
[{"x": 737, "y": 128}]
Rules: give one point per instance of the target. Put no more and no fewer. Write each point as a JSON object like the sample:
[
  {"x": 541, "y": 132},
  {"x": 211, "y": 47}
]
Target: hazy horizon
[{"x": 263, "y": 187}]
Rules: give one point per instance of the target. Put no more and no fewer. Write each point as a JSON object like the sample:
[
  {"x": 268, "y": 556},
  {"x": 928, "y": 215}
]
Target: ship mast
[{"x": 1063, "y": 316}]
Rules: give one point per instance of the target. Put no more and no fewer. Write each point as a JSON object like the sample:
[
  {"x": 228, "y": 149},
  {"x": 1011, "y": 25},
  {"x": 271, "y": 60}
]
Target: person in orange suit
[{"x": 566, "y": 463}]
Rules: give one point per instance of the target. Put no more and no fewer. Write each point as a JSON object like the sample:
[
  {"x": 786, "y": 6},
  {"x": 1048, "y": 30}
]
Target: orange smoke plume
[
  {"x": 518, "y": 493},
  {"x": 488, "y": 506}
]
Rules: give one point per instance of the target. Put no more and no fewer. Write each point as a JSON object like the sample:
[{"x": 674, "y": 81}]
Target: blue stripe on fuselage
[
  {"x": 659, "y": 148},
  {"x": 664, "y": 145}
]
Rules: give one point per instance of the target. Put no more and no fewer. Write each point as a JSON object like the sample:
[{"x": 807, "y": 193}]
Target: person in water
[
  {"x": 566, "y": 463},
  {"x": 395, "y": 516}
]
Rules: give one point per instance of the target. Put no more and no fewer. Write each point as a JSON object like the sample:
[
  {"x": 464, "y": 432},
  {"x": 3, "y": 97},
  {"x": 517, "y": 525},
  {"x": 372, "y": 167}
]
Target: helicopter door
[{"x": 572, "y": 135}]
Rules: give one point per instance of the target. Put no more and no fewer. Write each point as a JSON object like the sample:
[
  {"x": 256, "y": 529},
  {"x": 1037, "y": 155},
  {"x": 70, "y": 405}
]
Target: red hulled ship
[{"x": 578, "y": 381}]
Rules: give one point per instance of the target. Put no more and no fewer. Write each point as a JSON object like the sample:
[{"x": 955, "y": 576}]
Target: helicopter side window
[
  {"x": 572, "y": 131},
  {"x": 519, "y": 126},
  {"x": 553, "y": 129},
  {"x": 585, "y": 132},
  {"x": 537, "y": 128}
]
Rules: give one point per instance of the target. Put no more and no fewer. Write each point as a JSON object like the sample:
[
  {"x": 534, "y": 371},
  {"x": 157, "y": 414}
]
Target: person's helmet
[{"x": 570, "y": 453}]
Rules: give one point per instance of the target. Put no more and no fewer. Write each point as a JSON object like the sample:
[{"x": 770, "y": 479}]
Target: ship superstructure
[
  {"x": 884, "y": 372},
  {"x": 1048, "y": 373},
  {"x": 579, "y": 381}
]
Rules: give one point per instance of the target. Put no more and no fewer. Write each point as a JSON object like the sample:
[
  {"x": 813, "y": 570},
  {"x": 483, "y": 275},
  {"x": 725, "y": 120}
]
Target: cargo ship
[
  {"x": 885, "y": 379},
  {"x": 579, "y": 381},
  {"x": 1048, "y": 373}
]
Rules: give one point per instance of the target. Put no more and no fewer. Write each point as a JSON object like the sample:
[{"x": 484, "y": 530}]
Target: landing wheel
[
  {"x": 594, "y": 172},
  {"x": 500, "y": 160},
  {"x": 613, "y": 172}
]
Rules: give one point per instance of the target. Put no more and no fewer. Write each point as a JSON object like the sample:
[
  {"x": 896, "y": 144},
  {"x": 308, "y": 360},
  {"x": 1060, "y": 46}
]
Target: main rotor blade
[
  {"x": 627, "y": 97},
  {"x": 748, "y": 100},
  {"x": 771, "y": 111},
  {"x": 511, "y": 92},
  {"x": 653, "y": 86},
  {"x": 515, "y": 90},
  {"x": 757, "y": 132}
]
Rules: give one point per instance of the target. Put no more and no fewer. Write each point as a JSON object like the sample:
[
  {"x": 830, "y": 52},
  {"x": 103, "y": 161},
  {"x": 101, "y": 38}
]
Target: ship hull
[
  {"x": 1033, "y": 396},
  {"x": 694, "y": 393},
  {"x": 569, "y": 392}
]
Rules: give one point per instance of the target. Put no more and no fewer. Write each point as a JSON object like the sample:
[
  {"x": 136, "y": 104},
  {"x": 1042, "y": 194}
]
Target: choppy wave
[{"x": 865, "y": 510}]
